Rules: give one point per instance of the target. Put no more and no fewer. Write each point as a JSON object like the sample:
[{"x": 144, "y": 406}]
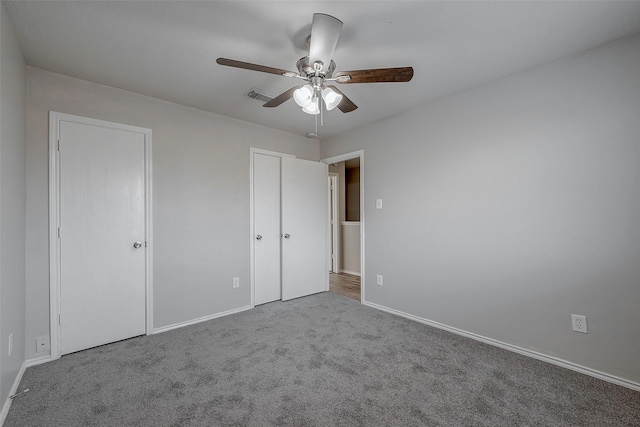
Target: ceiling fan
[{"x": 318, "y": 69}]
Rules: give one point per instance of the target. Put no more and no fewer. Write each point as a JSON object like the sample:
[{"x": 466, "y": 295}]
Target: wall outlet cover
[
  {"x": 579, "y": 323},
  {"x": 236, "y": 282},
  {"x": 42, "y": 344},
  {"x": 379, "y": 280}
]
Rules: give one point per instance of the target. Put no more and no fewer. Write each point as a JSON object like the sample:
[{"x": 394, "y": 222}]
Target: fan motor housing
[{"x": 305, "y": 68}]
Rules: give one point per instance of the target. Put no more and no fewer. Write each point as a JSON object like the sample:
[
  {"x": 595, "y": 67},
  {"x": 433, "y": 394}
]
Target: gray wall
[
  {"x": 513, "y": 205},
  {"x": 350, "y": 249},
  {"x": 200, "y": 195},
  {"x": 12, "y": 205}
]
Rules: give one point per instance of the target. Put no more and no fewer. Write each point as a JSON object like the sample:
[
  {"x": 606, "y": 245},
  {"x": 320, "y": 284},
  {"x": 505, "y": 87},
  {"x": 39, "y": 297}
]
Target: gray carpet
[{"x": 322, "y": 360}]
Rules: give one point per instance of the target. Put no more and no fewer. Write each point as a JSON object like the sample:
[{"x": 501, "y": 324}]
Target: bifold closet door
[
  {"x": 266, "y": 208},
  {"x": 304, "y": 227}
]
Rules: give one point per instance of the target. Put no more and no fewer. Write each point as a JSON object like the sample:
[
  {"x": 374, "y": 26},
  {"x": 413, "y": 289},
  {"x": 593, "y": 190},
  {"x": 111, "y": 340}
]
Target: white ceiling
[{"x": 168, "y": 49}]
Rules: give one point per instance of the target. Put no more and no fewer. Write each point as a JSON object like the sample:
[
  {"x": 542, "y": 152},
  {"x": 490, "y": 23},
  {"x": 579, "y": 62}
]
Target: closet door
[
  {"x": 304, "y": 227},
  {"x": 266, "y": 199},
  {"x": 102, "y": 235}
]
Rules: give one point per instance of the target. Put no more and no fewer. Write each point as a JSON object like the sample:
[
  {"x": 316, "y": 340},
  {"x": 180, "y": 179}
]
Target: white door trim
[
  {"x": 334, "y": 206},
  {"x": 342, "y": 158},
  {"x": 252, "y": 273},
  {"x": 54, "y": 219}
]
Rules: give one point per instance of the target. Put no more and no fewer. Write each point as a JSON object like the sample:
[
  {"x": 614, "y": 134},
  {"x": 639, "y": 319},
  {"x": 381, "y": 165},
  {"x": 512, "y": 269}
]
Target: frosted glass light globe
[
  {"x": 313, "y": 107},
  {"x": 303, "y": 96},
  {"x": 331, "y": 98}
]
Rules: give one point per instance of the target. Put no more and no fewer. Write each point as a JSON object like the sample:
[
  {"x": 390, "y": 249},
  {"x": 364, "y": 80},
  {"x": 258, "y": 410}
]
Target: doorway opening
[{"x": 347, "y": 225}]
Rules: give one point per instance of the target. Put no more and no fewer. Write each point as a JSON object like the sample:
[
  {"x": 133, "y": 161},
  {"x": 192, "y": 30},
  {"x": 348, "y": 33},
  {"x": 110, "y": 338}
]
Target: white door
[
  {"x": 304, "y": 228},
  {"x": 102, "y": 269},
  {"x": 266, "y": 208}
]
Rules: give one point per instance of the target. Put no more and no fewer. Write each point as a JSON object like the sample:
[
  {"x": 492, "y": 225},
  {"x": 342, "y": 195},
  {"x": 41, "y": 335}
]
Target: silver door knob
[
  {"x": 286, "y": 236},
  {"x": 137, "y": 245},
  {"x": 258, "y": 237}
]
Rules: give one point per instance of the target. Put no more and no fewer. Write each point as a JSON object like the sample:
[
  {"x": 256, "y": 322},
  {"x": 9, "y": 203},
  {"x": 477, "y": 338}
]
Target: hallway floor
[{"x": 344, "y": 284}]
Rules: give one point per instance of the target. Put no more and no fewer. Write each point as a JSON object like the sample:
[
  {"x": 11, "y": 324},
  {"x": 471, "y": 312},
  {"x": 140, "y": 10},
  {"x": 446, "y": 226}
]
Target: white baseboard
[
  {"x": 200, "y": 319},
  {"x": 354, "y": 273},
  {"x": 37, "y": 361},
  {"x": 14, "y": 388},
  {"x": 12, "y": 391},
  {"x": 534, "y": 354}
]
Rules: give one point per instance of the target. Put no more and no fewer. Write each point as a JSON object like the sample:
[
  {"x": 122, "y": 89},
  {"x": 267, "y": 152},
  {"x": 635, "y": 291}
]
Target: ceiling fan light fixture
[
  {"x": 303, "y": 96},
  {"x": 313, "y": 107},
  {"x": 331, "y": 98},
  {"x": 317, "y": 69}
]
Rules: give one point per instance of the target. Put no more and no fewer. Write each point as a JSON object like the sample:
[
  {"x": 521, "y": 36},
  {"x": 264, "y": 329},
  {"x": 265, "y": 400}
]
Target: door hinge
[
  {"x": 59, "y": 319},
  {"x": 58, "y": 232},
  {"x": 58, "y": 145}
]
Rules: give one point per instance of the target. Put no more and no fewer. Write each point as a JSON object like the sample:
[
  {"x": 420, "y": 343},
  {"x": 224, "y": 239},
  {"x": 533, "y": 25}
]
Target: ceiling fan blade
[
  {"x": 378, "y": 75},
  {"x": 346, "y": 105},
  {"x": 284, "y": 96},
  {"x": 325, "y": 32},
  {"x": 253, "y": 67}
]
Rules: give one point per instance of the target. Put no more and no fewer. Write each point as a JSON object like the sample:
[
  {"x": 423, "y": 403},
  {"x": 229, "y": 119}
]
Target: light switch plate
[{"x": 378, "y": 203}]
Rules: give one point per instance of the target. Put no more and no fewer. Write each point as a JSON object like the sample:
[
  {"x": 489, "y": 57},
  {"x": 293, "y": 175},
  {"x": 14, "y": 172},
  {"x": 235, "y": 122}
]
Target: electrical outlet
[
  {"x": 236, "y": 282},
  {"x": 378, "y": 203},
  {"x": 42, "y": 344},
  {"x": 579, "y": 323},
  {"x": 10, "y": 343},
  {"x": 379, "y": 280}
]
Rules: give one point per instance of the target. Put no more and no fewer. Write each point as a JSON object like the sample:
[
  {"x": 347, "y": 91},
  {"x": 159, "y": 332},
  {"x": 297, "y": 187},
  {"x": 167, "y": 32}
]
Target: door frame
[
  {"x": 342, "y": 158},
  {"x": 55, "y": 119},
  {"x": 252, "y": 272},
  {"x": 334, "y": 230}
]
